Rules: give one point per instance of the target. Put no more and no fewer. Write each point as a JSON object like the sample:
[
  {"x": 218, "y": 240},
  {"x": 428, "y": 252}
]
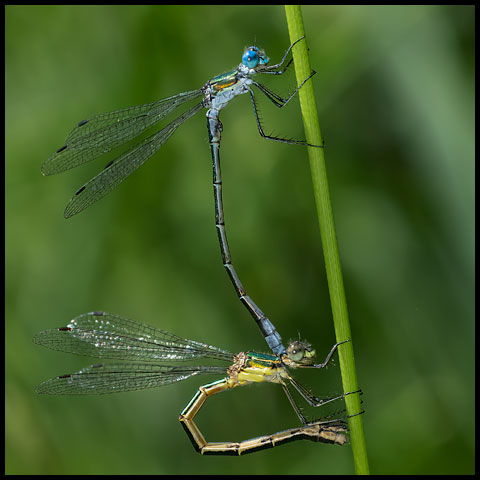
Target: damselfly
[
  {"x": 100, "y": 134},
  {"x": 140, "y": 347}
]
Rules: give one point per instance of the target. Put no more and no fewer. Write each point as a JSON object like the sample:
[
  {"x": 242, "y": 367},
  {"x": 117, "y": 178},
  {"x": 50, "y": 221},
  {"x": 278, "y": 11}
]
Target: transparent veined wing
[
  {"x": 103, "y": 335},
  {"x": 97, "y": 135},
  {"x": 120, "y": 168},
  {"x": 121, "y": 377}
]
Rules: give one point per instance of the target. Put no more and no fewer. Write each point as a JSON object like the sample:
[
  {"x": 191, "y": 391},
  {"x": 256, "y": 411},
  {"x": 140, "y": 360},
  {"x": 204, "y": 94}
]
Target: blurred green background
[{"x": 395, "y": 93}]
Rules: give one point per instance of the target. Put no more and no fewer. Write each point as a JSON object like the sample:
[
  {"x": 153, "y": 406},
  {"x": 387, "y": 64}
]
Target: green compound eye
[{"x": 297, "y": 355}]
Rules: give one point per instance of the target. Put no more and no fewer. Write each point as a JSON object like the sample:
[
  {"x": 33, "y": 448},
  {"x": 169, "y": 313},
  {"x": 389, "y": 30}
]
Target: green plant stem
[{"x": 328, "y": 237}]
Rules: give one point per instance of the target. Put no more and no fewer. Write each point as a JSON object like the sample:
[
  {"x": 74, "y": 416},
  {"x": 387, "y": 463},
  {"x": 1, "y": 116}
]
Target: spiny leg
[
  {"x": 268, "y": 69},
  {"x": 313, "y": 400},
  {"x": 327, "y": 359},
  {"x": 306, "y": 394},
  {"x": 277, "y": 72},
  {"x": 276, "y": 99},
  {"x": 294, "y": 405},
  {"x": 270, "y": 137}
]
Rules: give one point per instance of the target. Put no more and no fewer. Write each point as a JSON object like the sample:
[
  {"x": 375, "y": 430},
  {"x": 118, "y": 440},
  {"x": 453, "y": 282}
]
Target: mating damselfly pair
[{"x": 106, "y": 336}]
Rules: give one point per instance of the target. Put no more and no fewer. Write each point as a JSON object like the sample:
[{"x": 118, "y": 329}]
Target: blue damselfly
[{"x": 100, "y": 134}]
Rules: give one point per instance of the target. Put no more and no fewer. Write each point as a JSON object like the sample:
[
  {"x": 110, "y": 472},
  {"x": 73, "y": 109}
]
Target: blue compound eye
[{"x": 250, "y": 58}]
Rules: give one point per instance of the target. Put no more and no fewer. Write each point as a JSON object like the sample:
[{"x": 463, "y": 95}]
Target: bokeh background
[{"x": 395, "y": 93}]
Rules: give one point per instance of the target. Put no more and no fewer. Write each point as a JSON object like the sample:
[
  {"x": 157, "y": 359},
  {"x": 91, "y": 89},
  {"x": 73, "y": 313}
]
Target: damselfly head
[
  {"x": 301, "y": 353},
  {"x": 253, "y": 57}
]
